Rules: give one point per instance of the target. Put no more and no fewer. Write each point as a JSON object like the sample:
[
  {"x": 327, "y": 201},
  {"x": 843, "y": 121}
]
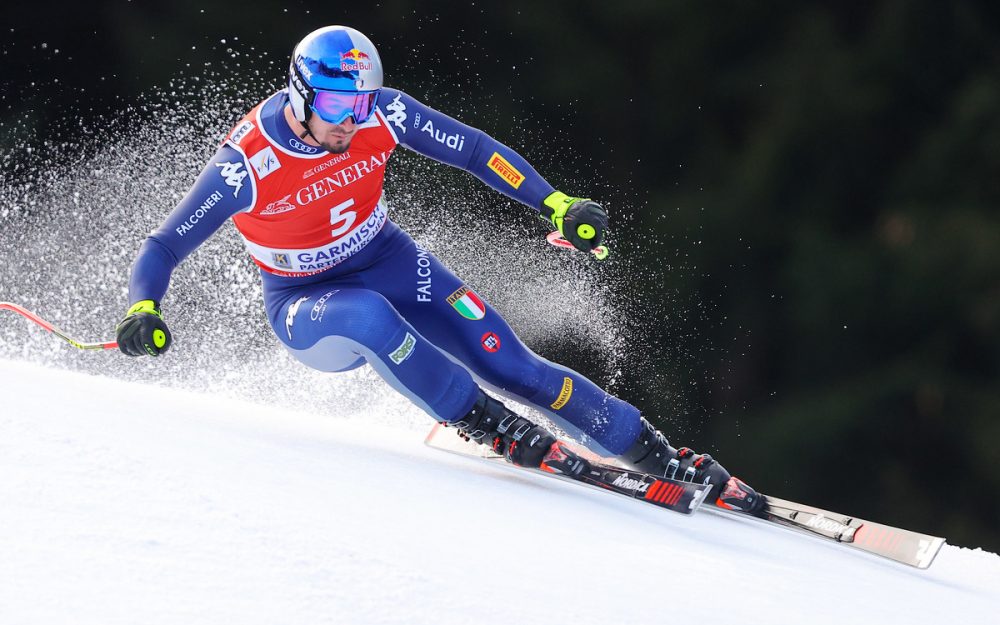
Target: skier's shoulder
[
  {"x": 405, "y": 113},
  {"x": 251, "y": 124},
  {"x": 397, "y": 101},
  {"x": 389, "y": 95}
]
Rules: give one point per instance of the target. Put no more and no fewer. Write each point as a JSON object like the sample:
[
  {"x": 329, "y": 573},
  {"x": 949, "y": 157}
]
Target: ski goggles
[{"x": 336, "y": 106}]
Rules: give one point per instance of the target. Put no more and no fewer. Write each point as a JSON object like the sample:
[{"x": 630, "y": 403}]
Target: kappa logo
[
  {"x": 405, "y": 349},
  {"x": 234, "y": 177},
  {"x": 398, "y": 116},
  {"x": 265, "y": 162},
  {"x": 290, "y": 316},
  {"x": 279, "y": 206},
  {"x": 564, "y": 394}
]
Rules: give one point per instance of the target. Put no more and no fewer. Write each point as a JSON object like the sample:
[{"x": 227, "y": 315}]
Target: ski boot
[
  {"x": 651, "y": 453},
  {"x": 514, "y": 437}
]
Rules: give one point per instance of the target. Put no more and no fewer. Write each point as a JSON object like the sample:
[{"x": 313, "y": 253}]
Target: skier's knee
[{"x": 365, "y": 317}]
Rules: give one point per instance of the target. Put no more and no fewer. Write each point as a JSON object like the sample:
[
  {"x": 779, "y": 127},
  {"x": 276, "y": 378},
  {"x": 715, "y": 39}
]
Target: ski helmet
[{"x": 335, "y": 73}]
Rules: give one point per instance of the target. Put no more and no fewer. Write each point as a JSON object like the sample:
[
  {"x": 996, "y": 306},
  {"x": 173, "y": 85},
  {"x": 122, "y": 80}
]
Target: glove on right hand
[{"x": 143, "y": 330}]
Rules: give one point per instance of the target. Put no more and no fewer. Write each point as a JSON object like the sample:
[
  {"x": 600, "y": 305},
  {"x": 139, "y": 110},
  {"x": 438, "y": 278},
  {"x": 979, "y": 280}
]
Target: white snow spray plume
[{"x": 77, "y": 201}]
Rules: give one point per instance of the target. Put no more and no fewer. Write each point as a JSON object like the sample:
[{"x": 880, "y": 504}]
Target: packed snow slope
[{"x": 126, "y": 503}]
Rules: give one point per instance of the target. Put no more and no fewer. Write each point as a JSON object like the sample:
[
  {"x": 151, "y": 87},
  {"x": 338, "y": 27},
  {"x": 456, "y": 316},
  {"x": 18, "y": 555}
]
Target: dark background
[{"x": 816, "y": 184}]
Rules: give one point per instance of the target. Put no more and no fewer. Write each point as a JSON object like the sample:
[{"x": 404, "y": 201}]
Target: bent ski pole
[{"x": 54, "y": 330}]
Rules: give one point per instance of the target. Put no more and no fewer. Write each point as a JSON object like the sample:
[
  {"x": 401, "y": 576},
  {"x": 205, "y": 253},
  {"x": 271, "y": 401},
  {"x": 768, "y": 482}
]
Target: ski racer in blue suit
[{"x": 301, "y": 178}]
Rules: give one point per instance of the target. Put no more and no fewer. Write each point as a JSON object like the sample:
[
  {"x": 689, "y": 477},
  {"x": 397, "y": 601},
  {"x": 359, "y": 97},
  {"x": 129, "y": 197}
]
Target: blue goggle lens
[{"x": 336, "y": 106}]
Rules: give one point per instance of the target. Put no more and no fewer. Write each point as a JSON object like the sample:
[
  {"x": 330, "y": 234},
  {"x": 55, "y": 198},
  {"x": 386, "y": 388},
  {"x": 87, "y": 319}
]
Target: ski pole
[
  {"x": 54, "y": 330},
  {"x": 600, "y": 252}
]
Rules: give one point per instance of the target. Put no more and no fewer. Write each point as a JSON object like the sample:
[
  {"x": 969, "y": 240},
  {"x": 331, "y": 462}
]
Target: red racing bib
[{"x": 310, "y": 212}]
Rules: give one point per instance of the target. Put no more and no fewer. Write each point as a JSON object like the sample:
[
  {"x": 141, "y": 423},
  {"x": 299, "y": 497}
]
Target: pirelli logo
[
  {"x": 564, "y": 394},
  {"x": 505, "y": 170}
]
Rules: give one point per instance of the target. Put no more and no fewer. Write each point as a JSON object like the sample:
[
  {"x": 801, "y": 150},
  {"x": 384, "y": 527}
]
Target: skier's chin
[{"x": 336, "y": 148}]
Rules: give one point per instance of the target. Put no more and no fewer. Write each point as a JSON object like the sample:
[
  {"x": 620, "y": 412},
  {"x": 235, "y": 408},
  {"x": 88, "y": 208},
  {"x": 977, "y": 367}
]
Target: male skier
[{"x": 301, "y": 177}]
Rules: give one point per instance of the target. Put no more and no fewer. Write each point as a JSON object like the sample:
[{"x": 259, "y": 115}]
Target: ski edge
[{"x": 895, "y": 544}]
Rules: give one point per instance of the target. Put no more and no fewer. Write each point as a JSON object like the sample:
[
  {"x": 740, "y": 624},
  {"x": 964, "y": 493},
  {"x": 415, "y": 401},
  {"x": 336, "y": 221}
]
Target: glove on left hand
[{"x": 581, "y": 221}]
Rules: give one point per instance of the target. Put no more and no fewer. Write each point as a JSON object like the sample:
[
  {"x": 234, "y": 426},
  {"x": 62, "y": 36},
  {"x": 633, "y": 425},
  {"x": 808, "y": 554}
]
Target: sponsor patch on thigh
[{"x": 405, "y": 349}]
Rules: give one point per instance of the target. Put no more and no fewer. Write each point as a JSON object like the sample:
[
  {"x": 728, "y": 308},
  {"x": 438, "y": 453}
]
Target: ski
[
  {"x": 682, "y": 497},
  {"x": 896, "y": 544},
  {"x": 903, "y": 546}
]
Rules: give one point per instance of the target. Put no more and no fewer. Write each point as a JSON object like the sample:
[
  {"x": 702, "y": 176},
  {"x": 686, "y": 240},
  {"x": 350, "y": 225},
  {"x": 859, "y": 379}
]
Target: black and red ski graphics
[{"x": 682, "y": 497}]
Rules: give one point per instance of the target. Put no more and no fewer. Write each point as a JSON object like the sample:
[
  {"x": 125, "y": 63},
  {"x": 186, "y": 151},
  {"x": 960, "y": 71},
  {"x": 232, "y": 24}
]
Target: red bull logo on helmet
[{"x": 355, "y": 60}]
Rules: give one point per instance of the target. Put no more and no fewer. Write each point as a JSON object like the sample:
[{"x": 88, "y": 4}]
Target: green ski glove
[
  {"x": 581, "y": 221},
  {"x": 143, "y": 330}
]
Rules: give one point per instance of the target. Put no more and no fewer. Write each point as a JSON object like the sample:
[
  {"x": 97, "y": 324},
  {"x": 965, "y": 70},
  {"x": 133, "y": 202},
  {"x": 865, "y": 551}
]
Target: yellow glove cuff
[
  {"x": 558, "y": 202},
  {"x": 146, "y": 305}
]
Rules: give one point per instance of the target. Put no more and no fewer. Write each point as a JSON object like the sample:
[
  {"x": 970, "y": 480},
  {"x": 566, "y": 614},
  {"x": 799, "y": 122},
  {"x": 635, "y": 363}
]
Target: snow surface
[{"x": 127, "y": 503}]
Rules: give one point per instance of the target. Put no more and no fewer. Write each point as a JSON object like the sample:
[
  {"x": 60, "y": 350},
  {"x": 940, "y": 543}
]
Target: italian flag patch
[{"x": 467, "y": 304}]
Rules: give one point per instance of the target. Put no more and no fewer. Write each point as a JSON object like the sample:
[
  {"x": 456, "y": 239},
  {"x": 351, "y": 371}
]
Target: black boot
[
  {"x": 519, "y": 440},
  {"x": 651, "y": 453}
]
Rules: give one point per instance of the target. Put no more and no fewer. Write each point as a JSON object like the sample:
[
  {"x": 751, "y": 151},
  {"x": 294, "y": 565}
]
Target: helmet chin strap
[{"x": 307, "y": 131}]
